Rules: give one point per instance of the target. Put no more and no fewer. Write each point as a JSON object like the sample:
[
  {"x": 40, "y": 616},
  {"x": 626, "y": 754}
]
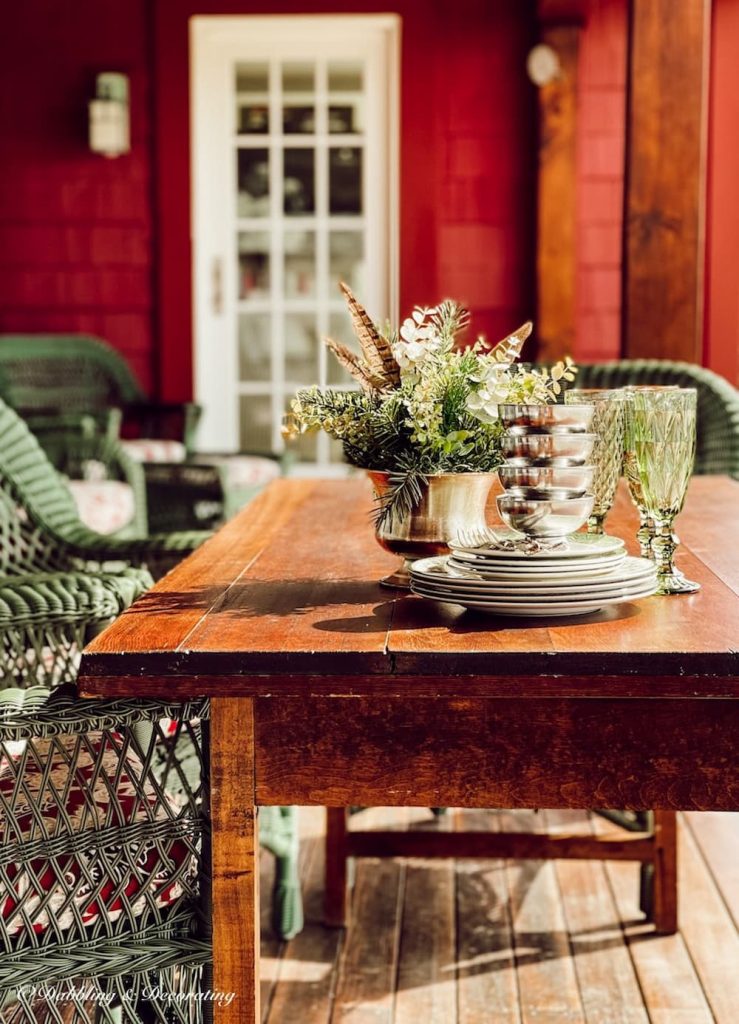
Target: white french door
[{"x": 294, "y": 169}]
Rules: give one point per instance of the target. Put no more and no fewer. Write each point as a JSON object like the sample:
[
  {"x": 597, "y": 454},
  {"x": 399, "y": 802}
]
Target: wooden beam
[
  {"x": 556, "y": 255},
  {"x": 665, "y": 188}
]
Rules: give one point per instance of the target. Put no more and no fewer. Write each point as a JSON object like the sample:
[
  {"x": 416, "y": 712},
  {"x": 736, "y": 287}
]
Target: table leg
[
  {"x": 235, "y": 862},
  {"x": 664, "y": 902},
  {"x": 335, "y": 893}
]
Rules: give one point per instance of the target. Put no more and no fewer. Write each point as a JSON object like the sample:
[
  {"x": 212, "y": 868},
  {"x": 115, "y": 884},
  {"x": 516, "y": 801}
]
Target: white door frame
[{"x": 217, "y": 43}]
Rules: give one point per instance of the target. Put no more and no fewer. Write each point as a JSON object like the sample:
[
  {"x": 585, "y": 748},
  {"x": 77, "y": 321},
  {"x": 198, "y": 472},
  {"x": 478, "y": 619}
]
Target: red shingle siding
[{"x": 75, "y": 228}]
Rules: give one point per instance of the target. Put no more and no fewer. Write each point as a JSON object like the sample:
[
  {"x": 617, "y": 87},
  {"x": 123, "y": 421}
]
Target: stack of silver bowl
[{"x": 547, "y": 473}]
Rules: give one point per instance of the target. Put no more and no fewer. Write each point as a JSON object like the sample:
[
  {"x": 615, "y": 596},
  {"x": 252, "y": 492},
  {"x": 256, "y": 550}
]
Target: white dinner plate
[
  {"x": 446, "y": 567},
  {"x": 538, "y": 609},
  {"x": 516, "y": 570},
  {"x": 537, "y": 598},
  {"x": 577, "y": 545},
  {"x": 631, "y": 573}
]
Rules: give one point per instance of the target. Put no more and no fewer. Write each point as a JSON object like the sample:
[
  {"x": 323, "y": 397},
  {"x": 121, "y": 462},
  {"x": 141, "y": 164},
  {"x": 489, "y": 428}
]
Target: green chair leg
[{"x": 278, "y": 833}]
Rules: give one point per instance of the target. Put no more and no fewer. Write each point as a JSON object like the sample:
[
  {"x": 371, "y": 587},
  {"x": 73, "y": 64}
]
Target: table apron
[{"x": 497, "y": 752}]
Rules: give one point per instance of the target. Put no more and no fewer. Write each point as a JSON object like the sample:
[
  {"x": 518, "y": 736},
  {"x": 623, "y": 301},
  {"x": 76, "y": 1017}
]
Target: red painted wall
[
  {"x": 600, "y": 179},
  {"x": 721, "y": 351},
  {"x": 75, "y": 229},
  {"x": 467, "y": 159}
]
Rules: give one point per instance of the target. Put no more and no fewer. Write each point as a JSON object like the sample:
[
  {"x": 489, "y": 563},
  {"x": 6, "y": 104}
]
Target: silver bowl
[
  {"x": 546, "y": 517},
  {"x": 546, "y": 482},
  {"x": 546, "y": 418},
  {"x": 547, "y": 449}
]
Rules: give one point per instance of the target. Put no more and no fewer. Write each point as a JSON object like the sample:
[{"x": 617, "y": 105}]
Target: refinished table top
[{"x": 284, "y": 600}]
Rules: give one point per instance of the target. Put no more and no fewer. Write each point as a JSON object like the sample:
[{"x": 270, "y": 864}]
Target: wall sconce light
[
  {"x": 109, "y": 120},
  {"x": 543, "y": 65}
]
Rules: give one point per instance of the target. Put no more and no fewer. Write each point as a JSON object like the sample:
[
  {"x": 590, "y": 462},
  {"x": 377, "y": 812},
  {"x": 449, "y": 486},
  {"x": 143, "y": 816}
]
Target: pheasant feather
[
  {"x": 508, "y": 350},
  {"x": 353, "y": 365},
  {"x": 377, "y": 351}
]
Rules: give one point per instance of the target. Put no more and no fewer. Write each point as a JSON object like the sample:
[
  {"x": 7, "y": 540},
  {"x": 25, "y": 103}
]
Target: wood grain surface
[
  {"x": 506, "y": 752},
  {"x": 285, "y": 600},
  {"x": 235, "y": 861}
]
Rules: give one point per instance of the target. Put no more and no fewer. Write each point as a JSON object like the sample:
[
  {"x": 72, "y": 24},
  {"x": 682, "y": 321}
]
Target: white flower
[
  {"x": 419, "y": 341},
  {"x": 493, "y": 391}
]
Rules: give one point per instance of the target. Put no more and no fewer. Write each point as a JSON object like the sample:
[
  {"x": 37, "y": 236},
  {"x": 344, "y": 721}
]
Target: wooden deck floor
[{"x": 510, "y": 942}]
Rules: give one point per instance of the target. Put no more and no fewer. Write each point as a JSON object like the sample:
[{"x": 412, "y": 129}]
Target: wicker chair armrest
[
  {"x": 38, "y": 711},
  {"x": 74, "y": 598},
  {"x": 158, "y": 553}
]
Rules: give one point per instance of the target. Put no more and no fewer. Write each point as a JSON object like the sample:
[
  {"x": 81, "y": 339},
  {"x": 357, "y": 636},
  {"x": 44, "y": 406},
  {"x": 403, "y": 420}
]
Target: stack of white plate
[{"x": 580, "y": 575}]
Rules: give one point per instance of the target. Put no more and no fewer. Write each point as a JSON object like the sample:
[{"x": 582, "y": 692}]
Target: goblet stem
[
  {"x": 595, "y": 524},
  {"x": 645, "y": 534},
  {"x": 670, "y": 580}
]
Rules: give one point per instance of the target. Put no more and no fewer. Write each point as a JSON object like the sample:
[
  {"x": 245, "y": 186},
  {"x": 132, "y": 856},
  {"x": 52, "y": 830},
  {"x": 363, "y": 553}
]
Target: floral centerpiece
[{"x": 426, "y": 406}]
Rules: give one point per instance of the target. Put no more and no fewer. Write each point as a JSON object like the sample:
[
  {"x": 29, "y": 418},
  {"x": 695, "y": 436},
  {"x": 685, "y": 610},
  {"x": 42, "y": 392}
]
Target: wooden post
[
  {"x": 235, "y": 846},
  {"x": 665, "y": 184},
  {"x": 556, "y": 249}
]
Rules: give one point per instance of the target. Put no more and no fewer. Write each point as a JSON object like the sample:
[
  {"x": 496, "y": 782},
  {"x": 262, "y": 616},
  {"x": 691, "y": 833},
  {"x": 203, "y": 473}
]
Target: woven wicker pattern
[
  {"x": 717, "y": 449},
  {"x": 103, "y": 825}
]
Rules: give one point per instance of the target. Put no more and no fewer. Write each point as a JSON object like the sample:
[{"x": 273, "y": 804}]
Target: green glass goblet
[
  {"x": 607, "y": 457},
  {"x": 662, "y": 432},
  {"x": 646, "y": 531}
]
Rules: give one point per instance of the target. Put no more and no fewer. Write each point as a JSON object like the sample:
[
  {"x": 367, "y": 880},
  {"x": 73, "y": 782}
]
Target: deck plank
[
  {"x": 708, "y": 930},
  {"x": 365, "y": 992},
  {"x": 426, "y": 968},
  {"x": 547, "y": 983},
  {"x": 717, "y": 836},
  {"x": 609, "y": 989},
  {"x": 670, "y": 987},
  {"x": 486, "y": 968},
  {"x": 306, "y": 980}
]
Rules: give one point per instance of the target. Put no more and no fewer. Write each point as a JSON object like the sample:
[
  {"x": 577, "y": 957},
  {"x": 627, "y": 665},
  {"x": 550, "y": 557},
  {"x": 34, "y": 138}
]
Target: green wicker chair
[
  {"x": 39, "y": 526},
  {"x": 103, "y": 830},
  {"x": 48, "y": 377},
  {"x": 717, "y": 447},
  {"x": 44, "y": 374}
]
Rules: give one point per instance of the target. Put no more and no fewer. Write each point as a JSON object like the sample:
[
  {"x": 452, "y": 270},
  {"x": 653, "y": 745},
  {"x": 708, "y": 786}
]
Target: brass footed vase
[{"x": 450, "y": 502}]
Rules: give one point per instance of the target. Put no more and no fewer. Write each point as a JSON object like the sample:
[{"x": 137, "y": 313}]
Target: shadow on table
[{"x": 415, "y": 613}]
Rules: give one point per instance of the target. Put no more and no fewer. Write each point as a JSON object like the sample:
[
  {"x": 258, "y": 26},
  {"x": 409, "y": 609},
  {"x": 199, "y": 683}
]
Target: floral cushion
[
  {"x": 66, "y": 789},
  {"x": 244, "y": 470},
  {"x": 104, "y": 506},
  {"x": 151, "y": 449}
]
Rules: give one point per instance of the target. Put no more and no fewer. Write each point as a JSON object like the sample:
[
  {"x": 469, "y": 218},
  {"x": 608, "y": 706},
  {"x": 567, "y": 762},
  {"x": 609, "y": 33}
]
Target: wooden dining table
[{"x": 329, "y": 689}]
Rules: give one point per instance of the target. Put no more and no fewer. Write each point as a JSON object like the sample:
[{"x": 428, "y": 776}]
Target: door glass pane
[
  {"x": 298, "y": 109},
  {"x": 300, "y": 264},
  {"x": 301, "y": 349},
  {"x": 253, "y": 255},
  {"x": 255, "y": 345},
  {"x": 345, "y": 110},
  {"x": 345, "y": 76},
  {"x": 252, "y": 103},
  {"x": 252, "y": 171},
  {"x": 345, "y": 180},
  {"x": 346, "y": 259},
  {"x": 340, "y": 329},
  {"x": 299, "y": 185},
  {"x": 256, "y": 423}
]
